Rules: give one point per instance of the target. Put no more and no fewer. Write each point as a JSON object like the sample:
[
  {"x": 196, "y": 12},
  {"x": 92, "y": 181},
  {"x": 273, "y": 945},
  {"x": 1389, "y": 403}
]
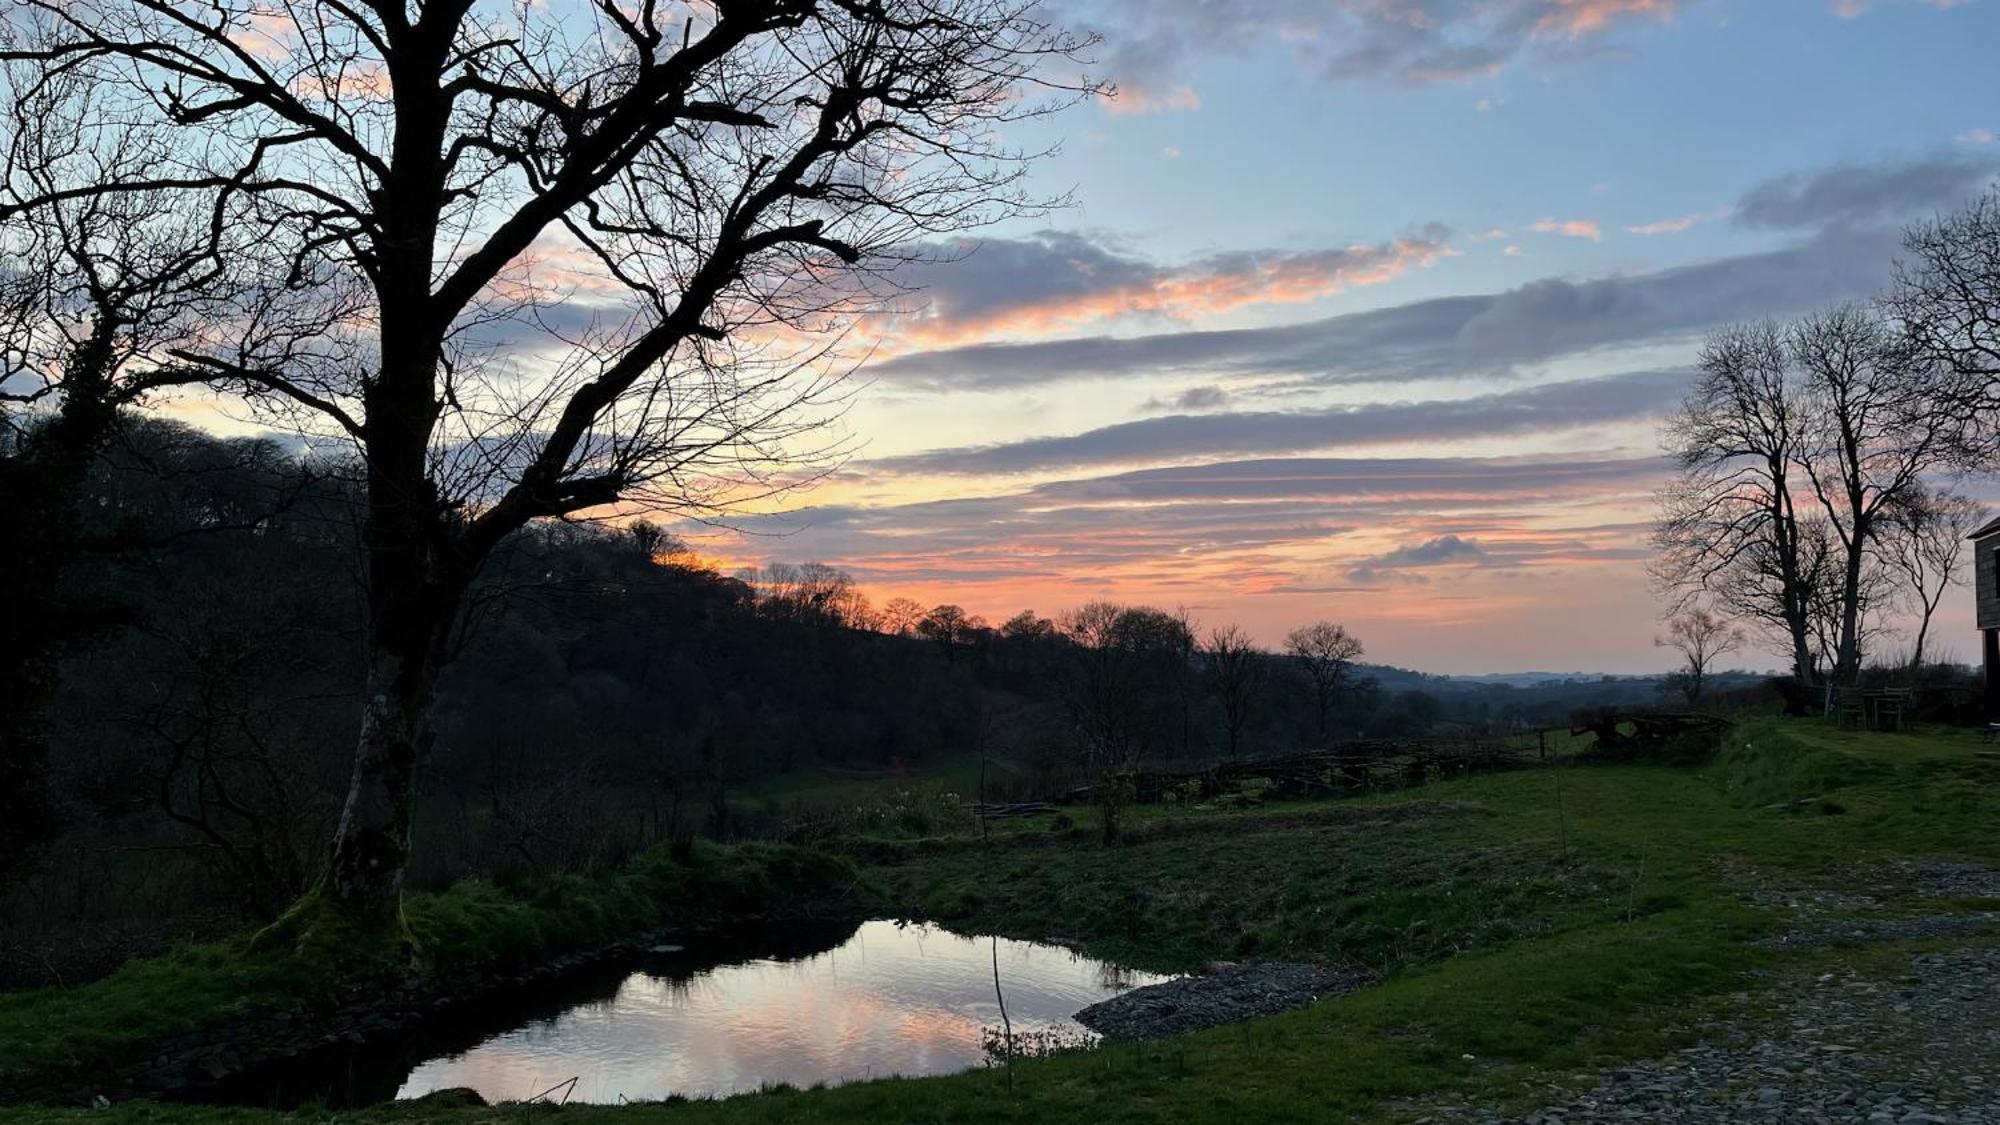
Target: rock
[
  {"x": 451, "y": 1097},
  {"x": 1228, "y": 993}
]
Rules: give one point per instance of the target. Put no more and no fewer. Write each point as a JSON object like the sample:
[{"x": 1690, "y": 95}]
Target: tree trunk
[
  {"x": 1847, "y": 663},
  {"x": 371, "y": 847},
  {"x": 416, "y": 581}
]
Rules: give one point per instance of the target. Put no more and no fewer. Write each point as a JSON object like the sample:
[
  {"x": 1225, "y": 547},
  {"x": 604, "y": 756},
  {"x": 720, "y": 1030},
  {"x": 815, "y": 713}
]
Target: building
[{"x": 1986, "y": 587}]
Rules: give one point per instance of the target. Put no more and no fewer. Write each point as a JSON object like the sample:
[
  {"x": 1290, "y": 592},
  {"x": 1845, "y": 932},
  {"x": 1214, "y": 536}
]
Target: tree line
[{"x": 604, "y": 691}]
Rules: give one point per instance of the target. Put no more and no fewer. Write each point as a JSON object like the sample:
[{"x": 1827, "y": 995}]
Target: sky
[{"x": 1369, "y": 311}]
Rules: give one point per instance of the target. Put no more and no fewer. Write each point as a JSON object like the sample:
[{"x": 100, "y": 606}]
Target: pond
[{"x": 884, "y": 998}]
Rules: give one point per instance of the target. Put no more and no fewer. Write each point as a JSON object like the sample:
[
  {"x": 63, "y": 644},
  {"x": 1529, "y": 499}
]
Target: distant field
[{"x": 958, "y": 773}]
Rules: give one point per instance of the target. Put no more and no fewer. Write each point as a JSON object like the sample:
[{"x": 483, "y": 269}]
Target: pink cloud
[
  {"x": 1129, "y": 99},
  {"x": 1850, "y": 9}
]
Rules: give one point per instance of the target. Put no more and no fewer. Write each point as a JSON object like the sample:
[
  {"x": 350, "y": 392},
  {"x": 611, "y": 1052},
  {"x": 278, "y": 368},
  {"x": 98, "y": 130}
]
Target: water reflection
[{"x": 891, "y": 999}]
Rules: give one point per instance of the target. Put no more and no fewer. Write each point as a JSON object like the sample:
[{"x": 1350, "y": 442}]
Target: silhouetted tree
[
  {"x": 1947, "y": 298},
  {"x": 1879, "y": 417},
  {"x": 717, "y": 178},
  {"x": 1236, "y": 673},
  {"x": 1729, "y": 525},
  {"x": 900, "y": 616},
  {"x": 1926, "y": 547},
  {"x": 1701, "y": 638},
  {"x": 947, "y": 627},
  {"x": 1325, "y": 652}
]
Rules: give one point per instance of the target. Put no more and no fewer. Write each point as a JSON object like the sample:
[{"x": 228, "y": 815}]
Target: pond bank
[{"x": 200, "y": 1017}]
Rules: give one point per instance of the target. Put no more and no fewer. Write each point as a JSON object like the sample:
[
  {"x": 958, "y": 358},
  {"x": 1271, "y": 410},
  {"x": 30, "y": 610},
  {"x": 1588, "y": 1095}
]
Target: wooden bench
[{"x": 1886, "y": 707}]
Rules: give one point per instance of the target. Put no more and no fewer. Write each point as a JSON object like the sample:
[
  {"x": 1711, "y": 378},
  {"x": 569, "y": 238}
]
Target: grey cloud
[
  {"x": 1443, "y": 549},
  {"x": 1151, "y": 47},
  {"x": 1208, "y": 396},
  {"x": 1549, "y": 407},
  {"x": 1160, "y": 516},
  {"x": 1432, "y": 552},
  {"x": 1850, "y": 194},
  {"x": 1355, "y": 480},
  {"x": 977, "y": 278},
  {"x": 1447, "y": 336}
]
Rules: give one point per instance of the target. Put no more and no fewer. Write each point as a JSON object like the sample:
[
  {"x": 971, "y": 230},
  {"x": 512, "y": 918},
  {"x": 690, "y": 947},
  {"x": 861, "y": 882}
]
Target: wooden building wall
[{"x": 1986, "y": 579}]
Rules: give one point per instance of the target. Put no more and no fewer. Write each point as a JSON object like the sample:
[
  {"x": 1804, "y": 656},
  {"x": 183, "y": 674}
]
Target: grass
[
  {"x": 1526, "y": 925},
  {"x": 958, "y": 773}
]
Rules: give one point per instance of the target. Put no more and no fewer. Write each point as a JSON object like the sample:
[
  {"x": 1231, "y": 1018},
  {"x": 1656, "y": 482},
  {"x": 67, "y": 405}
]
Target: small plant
[{"x": 1037, "y": 1044}]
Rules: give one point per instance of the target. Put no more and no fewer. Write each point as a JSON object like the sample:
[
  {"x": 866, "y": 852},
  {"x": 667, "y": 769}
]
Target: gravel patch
[
  {"x": 1228, "y": 992},
  {"x": 1844, "y": 1048},
  {"x": 1860, "y": 931},
  {"x": 1942, "y": 878},
  {"x": 1808, "y": 901}
]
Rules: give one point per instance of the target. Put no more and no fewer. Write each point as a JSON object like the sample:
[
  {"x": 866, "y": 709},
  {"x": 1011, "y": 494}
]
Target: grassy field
[{"x": 1526, "y": 926}]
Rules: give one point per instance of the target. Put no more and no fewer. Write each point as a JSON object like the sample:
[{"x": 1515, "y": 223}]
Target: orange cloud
[
  {"x": 1131, "y": 98},
  {"x": 1569, "y": 228},
  {"x": 1575, "y": 18}
]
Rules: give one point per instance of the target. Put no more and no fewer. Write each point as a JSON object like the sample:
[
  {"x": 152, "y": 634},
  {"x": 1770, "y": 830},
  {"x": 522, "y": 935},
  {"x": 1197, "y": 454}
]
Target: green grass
[{"x": 1527, "y": 926}]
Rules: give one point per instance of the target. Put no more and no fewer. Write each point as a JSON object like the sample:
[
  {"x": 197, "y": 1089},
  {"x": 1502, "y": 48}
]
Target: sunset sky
[{"x": 1368, "y": 310}]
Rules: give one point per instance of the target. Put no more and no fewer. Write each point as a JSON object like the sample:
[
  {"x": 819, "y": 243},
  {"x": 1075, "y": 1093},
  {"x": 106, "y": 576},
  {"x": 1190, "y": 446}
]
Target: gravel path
[{"x": 1845, "y": 1047}]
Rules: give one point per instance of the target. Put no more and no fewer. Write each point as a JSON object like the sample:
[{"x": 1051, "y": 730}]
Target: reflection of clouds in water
[{"x": 892, "y": 999}]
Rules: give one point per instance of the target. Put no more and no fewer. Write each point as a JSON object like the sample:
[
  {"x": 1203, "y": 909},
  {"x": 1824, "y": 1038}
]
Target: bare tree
[
  {"x": 900, "y": 616},
  {"x": 948, "y": 627},
  {"x": 1100, "y": 695},
  {"x": 1947, "y": 298},
  {"x": 603, "y": 246},
  {"x": 1183, "y": 645},
  {"x": 1702, "y": 638},
  {"x": 1236, "y": 672},
  {"x": 814, "y": 592},
  {"x": 1880, "y": 417},
  {"x": 1925, "y": 546},
  {"x": 1729, "y": 525},
  {"x": 1327, "y": 653}
]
